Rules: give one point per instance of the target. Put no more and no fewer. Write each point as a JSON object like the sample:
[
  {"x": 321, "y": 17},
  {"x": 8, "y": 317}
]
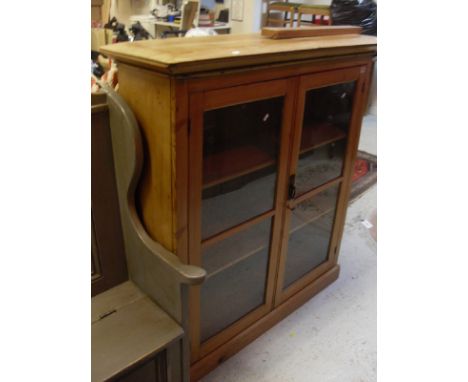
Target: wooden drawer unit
[{"x": 249, "y": 151}]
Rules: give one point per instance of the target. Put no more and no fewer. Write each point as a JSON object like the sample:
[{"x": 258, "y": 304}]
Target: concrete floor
[{"x": 331, "y": 338}]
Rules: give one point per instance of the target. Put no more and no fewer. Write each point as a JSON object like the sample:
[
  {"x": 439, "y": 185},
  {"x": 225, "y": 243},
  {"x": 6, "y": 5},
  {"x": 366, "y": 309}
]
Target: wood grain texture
[
  {"x": 241, "y": 76},
  {"x": 216, "y": 99},
  {"x": 199, "y": 54},
  {"x": 153, "y": 112},
  {"x": 312, "y": 31}
]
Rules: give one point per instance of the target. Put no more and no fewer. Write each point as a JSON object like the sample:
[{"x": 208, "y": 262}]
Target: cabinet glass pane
[
  {"x": 240, "y": 159},
  {"x": 237, "y": 270},
  {"x": 327, "y": 114},
  {"x": 318, "y": 166},
  {"x": 309, "y": 235}
]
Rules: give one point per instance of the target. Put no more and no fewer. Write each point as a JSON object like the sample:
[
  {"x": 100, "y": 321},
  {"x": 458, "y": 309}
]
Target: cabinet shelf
[
  {"x": 235, "y": 261},
  {"x": 317, "y": 135},
  {"x": 296, "y": 227},
  {"x": 237, "y": 248},
  {"x": 322, "y": 205},
  {"x": 230, "y": 164}
]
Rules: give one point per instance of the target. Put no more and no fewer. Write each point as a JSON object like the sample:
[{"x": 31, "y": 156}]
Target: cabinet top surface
[{"x": 198, "y": 54}]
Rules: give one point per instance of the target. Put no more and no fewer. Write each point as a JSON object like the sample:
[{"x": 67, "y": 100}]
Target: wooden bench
[{"x": 139, "y": 327}]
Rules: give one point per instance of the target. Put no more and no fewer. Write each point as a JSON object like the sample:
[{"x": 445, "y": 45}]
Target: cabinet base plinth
[{"x": 219, "y": 355}]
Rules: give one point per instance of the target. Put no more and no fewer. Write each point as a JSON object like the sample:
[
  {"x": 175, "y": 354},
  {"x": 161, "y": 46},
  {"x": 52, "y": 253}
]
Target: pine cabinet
[{"x": 249, "y": 151}]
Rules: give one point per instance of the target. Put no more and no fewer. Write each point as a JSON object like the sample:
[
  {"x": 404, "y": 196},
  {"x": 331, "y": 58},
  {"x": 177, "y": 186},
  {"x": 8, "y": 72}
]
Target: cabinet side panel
[
  {"x": 356, "y": 124},
  {"x": 149, "y": 96}
]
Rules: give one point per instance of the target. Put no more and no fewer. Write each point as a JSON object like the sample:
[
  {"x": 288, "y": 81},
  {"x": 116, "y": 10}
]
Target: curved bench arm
[
  {"x": 187, "y": 274},
  {"x": 157, "y": 271}
]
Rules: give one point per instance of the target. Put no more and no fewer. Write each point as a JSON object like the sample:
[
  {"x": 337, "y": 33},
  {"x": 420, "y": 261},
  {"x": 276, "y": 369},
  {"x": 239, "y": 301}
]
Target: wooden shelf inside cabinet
[
  {"x": 319, "y": 135},
  {"x": 296, "y": 227},
  {"x": 236, "y": 248},
  {"x": 235, "y": 261},
  {"x": 323, "y": 206},
  {"x": 230, "y": 164}
]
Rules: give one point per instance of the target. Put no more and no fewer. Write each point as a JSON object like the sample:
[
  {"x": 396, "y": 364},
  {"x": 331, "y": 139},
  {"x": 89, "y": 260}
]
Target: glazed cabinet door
[
  {"x": 325, "y": 141},
  {"x": 239, "y": 145}
]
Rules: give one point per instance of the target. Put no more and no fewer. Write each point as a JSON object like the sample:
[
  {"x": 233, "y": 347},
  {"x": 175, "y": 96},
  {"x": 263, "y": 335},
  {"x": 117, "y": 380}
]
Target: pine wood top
[{"x": 199, "y": 54}]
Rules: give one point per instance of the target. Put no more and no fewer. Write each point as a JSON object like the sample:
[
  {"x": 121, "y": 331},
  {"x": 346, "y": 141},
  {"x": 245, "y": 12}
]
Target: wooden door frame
[
  {"x": 200, "y": 102},
  {"x": 308, "y": 82},
  {"x": 356, "y": 122}
]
